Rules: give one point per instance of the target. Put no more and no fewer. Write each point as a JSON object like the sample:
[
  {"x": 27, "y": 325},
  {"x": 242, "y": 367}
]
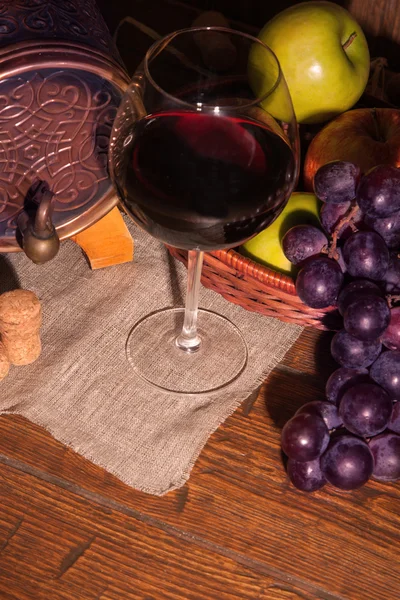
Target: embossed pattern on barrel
[
  {"x": 54, "y": 125},
  {"x": 72, "y": 20},
  {"x": 55, "y": 121}
]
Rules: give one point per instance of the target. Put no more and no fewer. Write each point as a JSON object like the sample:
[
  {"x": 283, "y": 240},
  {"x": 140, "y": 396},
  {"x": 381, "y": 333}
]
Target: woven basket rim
[
  {"x": 254, "y": 287},
  {"x": 256, "y": 270},
  {"x": 271, "y": 281}
]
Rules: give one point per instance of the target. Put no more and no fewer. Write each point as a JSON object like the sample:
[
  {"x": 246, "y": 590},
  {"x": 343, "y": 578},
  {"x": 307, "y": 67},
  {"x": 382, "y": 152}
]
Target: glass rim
[{"x": 170, "y": 36}]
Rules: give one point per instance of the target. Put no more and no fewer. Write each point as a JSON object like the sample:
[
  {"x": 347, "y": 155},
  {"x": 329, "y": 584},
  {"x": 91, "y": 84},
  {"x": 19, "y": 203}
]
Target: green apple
[
  {"x": 324, "y": 57},
  {"x": 266, "y": 247}
]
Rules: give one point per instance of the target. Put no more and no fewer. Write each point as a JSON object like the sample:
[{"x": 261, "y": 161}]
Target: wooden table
[{"x": 236, "y": 530}]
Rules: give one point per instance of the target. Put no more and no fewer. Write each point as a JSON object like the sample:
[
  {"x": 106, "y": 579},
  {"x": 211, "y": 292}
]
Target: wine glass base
[{"x": 152, "y": 352}]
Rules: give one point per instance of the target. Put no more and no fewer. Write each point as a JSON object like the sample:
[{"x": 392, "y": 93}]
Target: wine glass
[{"x": 204, "y": 154}]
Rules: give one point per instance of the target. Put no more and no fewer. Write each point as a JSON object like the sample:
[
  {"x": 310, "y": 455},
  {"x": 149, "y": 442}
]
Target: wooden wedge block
[{"x": 107, "y": 242}]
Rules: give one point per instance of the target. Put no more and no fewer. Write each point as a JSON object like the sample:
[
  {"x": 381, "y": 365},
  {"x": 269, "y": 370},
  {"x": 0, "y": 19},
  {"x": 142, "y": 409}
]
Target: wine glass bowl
[{"x": 204, "y": 155}]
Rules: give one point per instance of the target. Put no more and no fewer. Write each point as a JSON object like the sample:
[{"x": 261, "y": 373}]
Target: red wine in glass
[
  {"x": 204, "y": 181},
  {"x": 202, "y": 159}
]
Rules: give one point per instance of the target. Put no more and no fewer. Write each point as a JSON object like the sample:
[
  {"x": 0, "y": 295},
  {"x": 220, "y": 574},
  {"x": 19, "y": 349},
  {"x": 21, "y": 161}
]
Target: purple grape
[
  {"x": 391, "y": 337},
  {"x": 366, "y": 255},
  {"x": 394, "y": 423},
  {"x": 385, "y": 450},
  {"x": 326, "y": 410},
  {"x": 386, "y": 372},
  {"x": 331, "y": 215},
  {"x": 354, "y": 290},
  {"x": 304, "y": 437},
  {"x": 365, "y": 409},
  {"x": 347, "y": 464},
  {"x": 319, "y": 281},
  {"x": 388, "y": 228},
  {"x": 336, "y": 182},
  {"x": 352, "y": 353},
  {"x": 392, "y": 277},
  {"x": 367, "y": 317},
  {"x": 378, "y": 193},
  {"x": 306, "y": 476},
  {"x": 340, "y": 381},
  {"x": 340, "y": 260},
  {"x": 303, "y": 241}
]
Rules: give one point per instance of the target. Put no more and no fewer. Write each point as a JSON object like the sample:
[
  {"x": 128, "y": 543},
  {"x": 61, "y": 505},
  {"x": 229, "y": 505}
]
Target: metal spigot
[{"x": 40, "y": 241}]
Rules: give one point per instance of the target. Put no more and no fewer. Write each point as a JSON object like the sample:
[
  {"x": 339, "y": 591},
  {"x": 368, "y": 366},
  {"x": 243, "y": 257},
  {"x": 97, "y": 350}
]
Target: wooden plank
[
  {"x": 66, "y": 547},
  {"x": 380, "y": 19},
  {"x": 107, "y": 242},
  {"x": 239, "y": 503}
]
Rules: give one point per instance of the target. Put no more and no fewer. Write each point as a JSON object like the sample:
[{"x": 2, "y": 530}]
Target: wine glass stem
[{"x": 189, "y": 340}]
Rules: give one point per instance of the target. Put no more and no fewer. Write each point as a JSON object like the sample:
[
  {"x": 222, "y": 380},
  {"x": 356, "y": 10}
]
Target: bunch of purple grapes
[{"x": 353, "y": 266}]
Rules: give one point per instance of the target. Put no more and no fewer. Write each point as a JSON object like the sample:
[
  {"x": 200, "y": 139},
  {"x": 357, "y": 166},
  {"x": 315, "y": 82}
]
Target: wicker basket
[
  {"x": 261, "y": 289},
  {"x": 253, "y": 286},
  {"x": 257, "y": 288}
]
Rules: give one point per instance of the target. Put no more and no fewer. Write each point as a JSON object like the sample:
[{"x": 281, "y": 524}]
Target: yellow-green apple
[
  {"x": 364, "y": 136},
  {"x": 324, "y": 57},
  {"x": 266, "y": 247}
]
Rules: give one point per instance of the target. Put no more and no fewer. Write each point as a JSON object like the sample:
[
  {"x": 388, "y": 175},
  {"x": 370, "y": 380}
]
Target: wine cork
[
  {"x": 4, "y": 362},
  {"x": 20, "y": 321},
  {"x": 19, "y": 307},
  {"x": 22, "y": 350},
  {"x": 217, "y": 49},
  {"x": 20, "y": 331},
  {"x": 27, "y": 327}
]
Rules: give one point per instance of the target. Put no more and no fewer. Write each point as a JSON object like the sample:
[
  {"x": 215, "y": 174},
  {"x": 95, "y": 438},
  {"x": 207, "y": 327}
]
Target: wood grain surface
[
  {"x": 237, "y": 529},
  {"x": 107, "y": 242}
]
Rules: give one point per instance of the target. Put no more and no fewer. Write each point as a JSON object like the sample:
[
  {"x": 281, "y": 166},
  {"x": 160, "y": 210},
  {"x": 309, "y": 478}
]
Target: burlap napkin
[{"x": 82, "y": 388}]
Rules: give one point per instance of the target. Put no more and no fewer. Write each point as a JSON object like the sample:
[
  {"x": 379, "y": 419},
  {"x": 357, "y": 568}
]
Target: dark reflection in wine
[{"x": 196, "y": 180}]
